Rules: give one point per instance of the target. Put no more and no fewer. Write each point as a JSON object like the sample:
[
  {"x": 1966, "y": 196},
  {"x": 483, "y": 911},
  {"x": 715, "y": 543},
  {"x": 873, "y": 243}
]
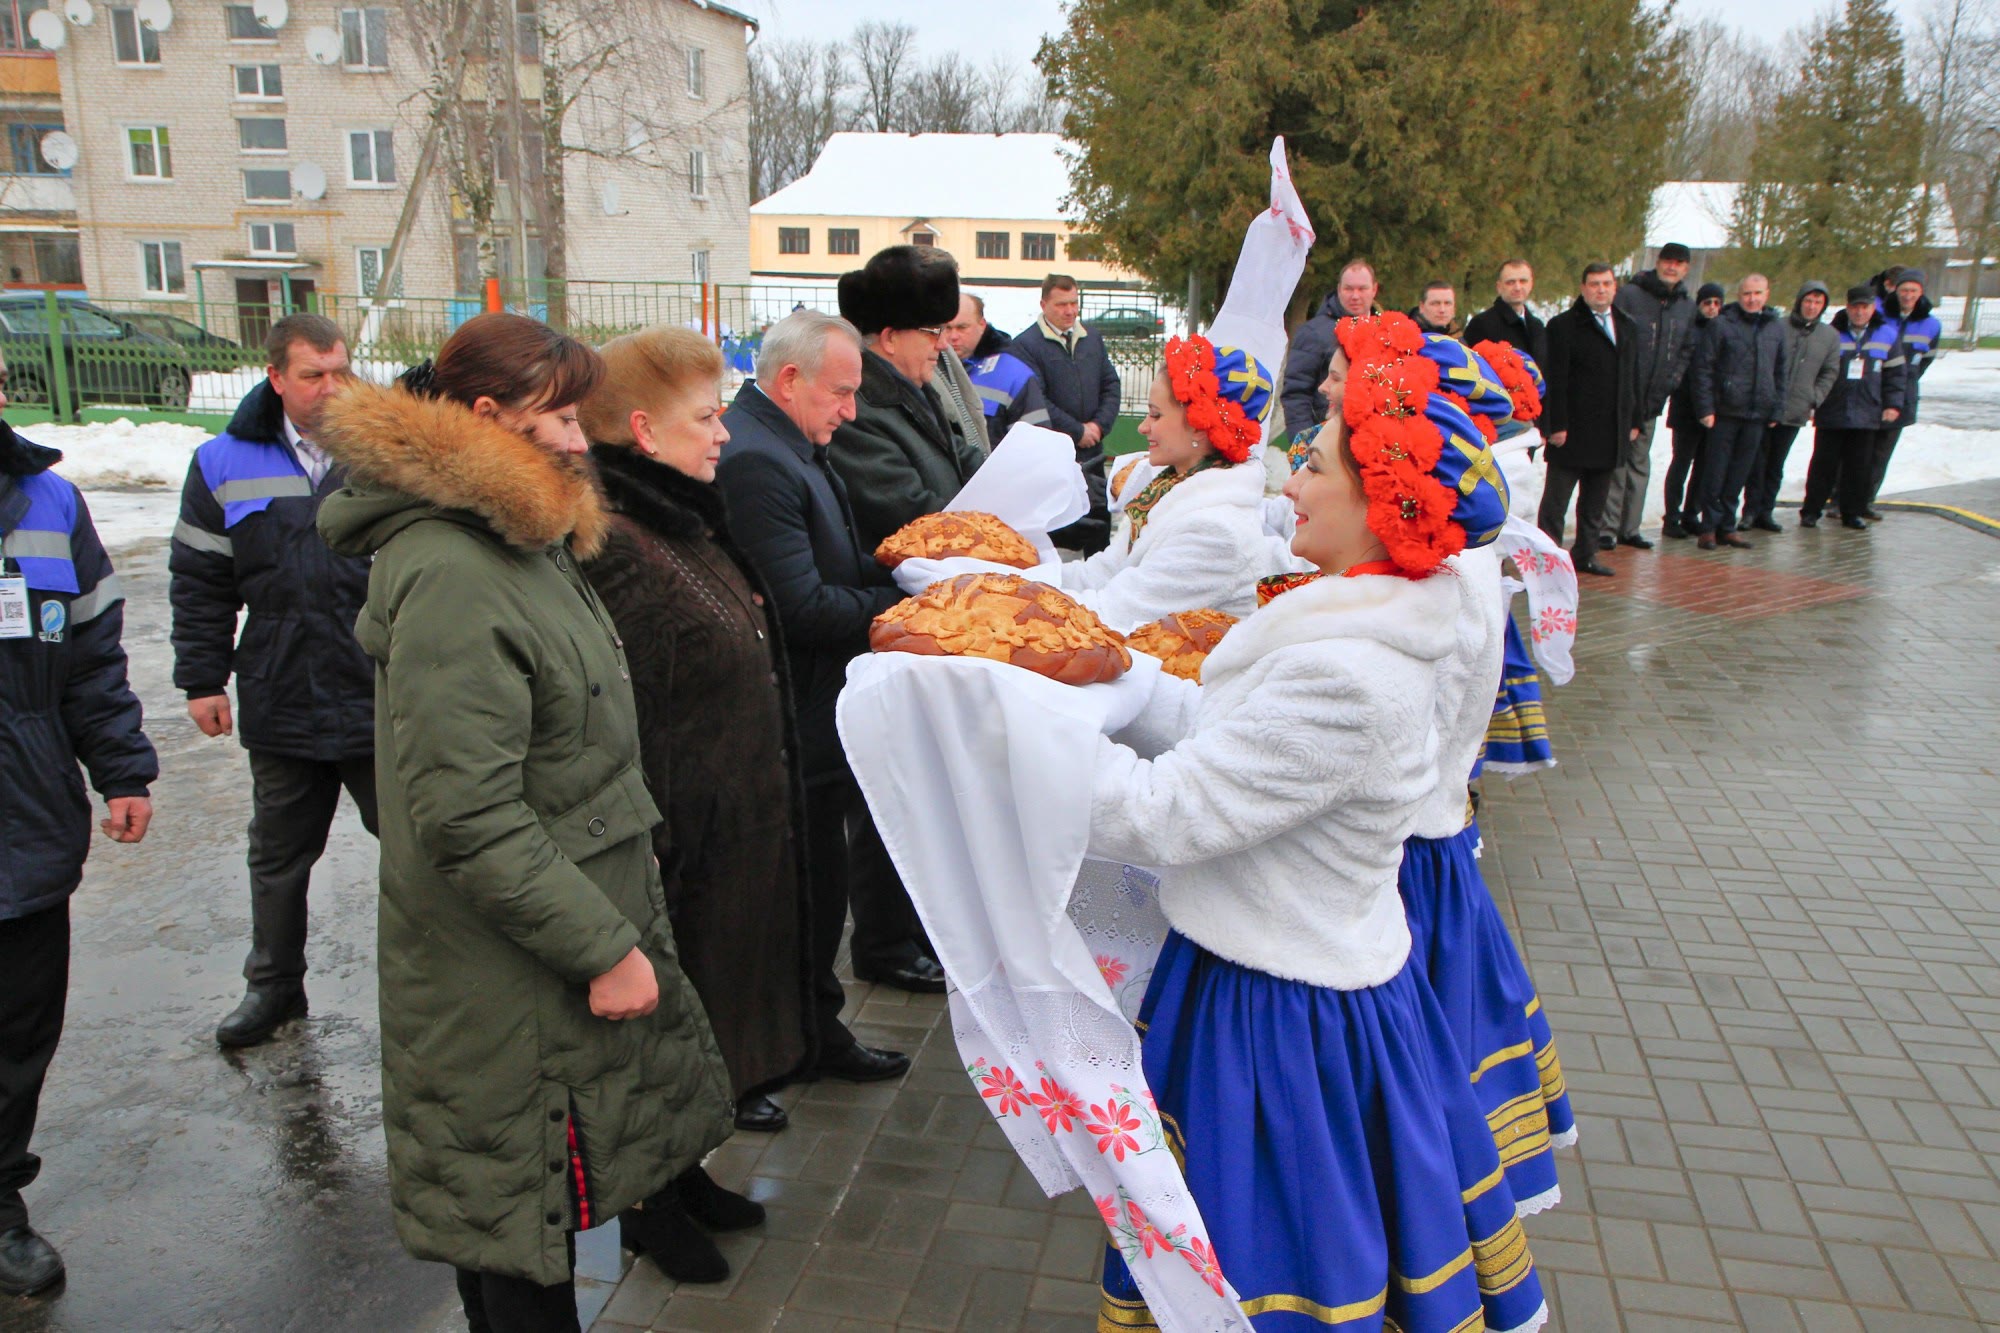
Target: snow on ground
[{"x": 133, "y": 473}]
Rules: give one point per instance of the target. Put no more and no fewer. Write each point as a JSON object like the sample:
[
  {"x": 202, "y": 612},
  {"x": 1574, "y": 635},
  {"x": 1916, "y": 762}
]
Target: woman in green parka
[{"x": 545, "y": 1064}]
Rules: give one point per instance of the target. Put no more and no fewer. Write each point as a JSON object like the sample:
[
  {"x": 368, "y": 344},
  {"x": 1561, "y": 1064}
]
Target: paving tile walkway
[{"x": 1761, "y": 896}]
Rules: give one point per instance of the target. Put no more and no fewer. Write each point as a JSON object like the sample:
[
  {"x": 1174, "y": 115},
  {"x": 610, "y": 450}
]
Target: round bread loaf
[
  {"x": 964, "y": 532},
  {"x": 1183, "y": 640},
  {"x": 1004, "y": 618},
  {"x": 1124, "y": 475}
]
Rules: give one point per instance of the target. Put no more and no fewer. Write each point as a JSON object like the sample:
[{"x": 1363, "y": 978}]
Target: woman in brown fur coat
[{"x": 713, "y": 729}]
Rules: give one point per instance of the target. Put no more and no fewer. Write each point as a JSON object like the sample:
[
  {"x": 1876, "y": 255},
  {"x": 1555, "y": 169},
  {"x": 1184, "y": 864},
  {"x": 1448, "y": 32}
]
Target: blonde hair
[{"x": 641, "y": 371}]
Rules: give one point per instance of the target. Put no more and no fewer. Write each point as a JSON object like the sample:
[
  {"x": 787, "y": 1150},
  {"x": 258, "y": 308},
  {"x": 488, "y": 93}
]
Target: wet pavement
[{"x": 1761, "y": 897}]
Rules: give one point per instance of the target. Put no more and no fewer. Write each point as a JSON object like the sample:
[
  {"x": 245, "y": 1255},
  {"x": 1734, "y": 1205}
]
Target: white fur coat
[
  {"x": 1203, "y": 546},
  {"x": 1294, "y": 773},
  {"x": 1466, "y": 684}
]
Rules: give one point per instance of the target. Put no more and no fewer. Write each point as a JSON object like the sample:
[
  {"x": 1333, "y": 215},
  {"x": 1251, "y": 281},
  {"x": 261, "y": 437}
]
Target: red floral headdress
[
  {"x": 1389, "y": 382},
  {"x": 1221, "y": 419},
  {"x": 1506, "y": 361}
]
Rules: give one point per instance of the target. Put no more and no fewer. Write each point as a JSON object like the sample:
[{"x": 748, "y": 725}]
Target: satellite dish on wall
[
  {"x": 309, "y": 180},
  {"x": 80, "y": 13},
  {"x": 271, "y": 13},
  {"x": 157, "y": 15},
  {"x": 47, "y": 30},
  {"x": 59, "y": 150},
  {"x": 323, "y": 46}
]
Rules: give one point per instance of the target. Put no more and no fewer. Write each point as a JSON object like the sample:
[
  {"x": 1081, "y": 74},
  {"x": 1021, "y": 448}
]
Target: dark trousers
[
  {"x": 850, "y": 866},
  {"x": 1590, "y": 488},
  {"x": 1683, "y": 498},
  {"x": 34, "y": 959},
  {"x": 1841, "y": 460},
  {"x": 497, "y": 1304},
  {"x": 292, "y": 805},
  {"x": 1725, "y": 467},
  {"x": 1767, "y": 474},
  {"x": 1878, "y": 466}
]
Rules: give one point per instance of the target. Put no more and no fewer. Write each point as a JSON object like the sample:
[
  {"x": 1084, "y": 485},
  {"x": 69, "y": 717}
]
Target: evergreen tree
[
  {"x": 1433, "y": 137},
  {"x": 1834, "y": 188}
]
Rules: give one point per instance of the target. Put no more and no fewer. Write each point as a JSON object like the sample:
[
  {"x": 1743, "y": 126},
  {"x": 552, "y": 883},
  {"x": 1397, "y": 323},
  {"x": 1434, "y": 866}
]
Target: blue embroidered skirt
[
  {"x": 1490, "y": 1005},
  {"x": 1341, "y": 1164},
  {"x": 1517, "y": 739}
]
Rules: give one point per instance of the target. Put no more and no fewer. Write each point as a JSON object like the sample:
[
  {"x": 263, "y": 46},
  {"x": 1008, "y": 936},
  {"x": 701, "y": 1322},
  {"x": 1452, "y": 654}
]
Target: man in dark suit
[
  {"x": 1738, "y": 373},
  {"x": 1081, "y": 386},
  {"x": 1508, "y": 319},
  {"x": 1590, "y": 412},
  {"x": 789, "y": 511}
]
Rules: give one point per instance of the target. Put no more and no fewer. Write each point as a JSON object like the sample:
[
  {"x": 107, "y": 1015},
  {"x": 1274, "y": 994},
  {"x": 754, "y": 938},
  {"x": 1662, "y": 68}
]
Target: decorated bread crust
[
  {"x": 1004, "y": 618},
  {"x": 964, "y": 532},
  {"x": 1123, "y": 475},
  {"x": 1183, "y": 640}
]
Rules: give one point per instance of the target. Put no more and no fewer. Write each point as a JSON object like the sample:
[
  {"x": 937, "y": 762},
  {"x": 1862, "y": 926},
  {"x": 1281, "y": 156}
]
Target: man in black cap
[
  {"x": 1683, "y": 495},
  {"x": 1662, "y": 314},
  {"x": 910, "y": 448}
]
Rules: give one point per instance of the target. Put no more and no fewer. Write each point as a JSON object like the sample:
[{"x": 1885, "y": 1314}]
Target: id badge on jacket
[{"x": 14, "y": 622}]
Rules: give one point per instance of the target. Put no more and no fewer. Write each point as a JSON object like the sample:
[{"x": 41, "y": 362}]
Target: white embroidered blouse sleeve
[{"x": 1197, "y": 565}]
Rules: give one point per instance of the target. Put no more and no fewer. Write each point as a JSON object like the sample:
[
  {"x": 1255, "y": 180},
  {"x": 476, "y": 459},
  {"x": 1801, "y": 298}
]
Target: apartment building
[
  {"x": 38, "y": 232},
  {"x": 994, "y": 200},
  {"x": 229, "y": 154}
]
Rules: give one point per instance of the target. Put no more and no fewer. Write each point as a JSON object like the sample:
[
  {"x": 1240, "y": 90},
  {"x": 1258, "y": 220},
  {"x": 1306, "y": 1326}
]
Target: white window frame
[
  {"x": 269, "y": 40},
  {"x": 162, "y": 140},
  {"x": 143, "y": 38},
  {"x": 697, "y": 173},
  {"x": 162, "y": 292},
  {"x": 260, "y": 96},
  {"x": 262, "y": 152},
  {"x": 697, "y": 73},
  {"x": 267, "y": 202},
  {"x": 361, "y": 14},
  {"x": 381, "y": 253},
  {"x": 274, "y": 250},
  {"x": 374, "y": 140},
  {"x": 701, "y": 264}
]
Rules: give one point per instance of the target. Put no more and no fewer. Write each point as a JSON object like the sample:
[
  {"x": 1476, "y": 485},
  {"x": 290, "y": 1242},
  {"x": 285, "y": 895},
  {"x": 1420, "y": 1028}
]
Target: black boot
[
  {"x": 28, "y": 1263},
  {"x": 259, "y": 1015},
  {"x": 664, "y": 1230},
  {"x": 713, "y": 1206}
]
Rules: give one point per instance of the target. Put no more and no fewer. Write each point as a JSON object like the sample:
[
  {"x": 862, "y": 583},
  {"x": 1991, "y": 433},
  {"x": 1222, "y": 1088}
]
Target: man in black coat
[
  {"x": 1663, "y": 315},
  {"x": 64, "y": 700},
  {"x": 1312, "y": 345},
  {"x": 1738, "y": 373},
  {"x": 788, "y": 510},
  {"x": 247, "y": 537},
  {"x": 1508, "y": 319},
  {"x": 1590, "y": 412},
  {"x": 1080, "y": 386}
]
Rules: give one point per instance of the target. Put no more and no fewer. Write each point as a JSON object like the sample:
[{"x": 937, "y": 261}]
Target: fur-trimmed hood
[{"x": 410, "y": 458}]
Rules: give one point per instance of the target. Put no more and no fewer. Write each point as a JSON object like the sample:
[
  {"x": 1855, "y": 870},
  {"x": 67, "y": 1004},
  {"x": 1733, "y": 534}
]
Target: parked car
[
  {"x": 1127, "y": 322},
  {"x": 108, "y": 360},
  {"x": 174, "y": 329}
]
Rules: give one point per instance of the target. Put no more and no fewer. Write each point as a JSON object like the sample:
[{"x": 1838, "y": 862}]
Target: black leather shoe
[
  {"x": 714, "y": 1207},
  {"x": 1674, "y": 530},
  {"x": 1706, "y": 541},
  {"x": 1766, "y": 524},
  {"x": 1858, "y": 524},
  {"x": 1736, "y": 540},
  {"x": 28, "y": 1263},
  {"x": 919, "y": 976},
  {"x": 761, "y": 1115},
  {"x": 1636, "y": 542},
  {"x": 664, "y": 1230},
  {"x": 860, "y": 1064},
  {"x": 1597, "y": 567},
  {"x": 1872, "y": 515},
  {"x": 1605, "y": 541},
  {"x": 1808, "y": 520},
  {"x": 260, "y": 1014}
]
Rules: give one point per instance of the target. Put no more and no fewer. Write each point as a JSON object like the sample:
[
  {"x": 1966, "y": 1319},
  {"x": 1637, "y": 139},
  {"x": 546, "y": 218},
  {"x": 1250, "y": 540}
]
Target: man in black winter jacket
[
  {"x": 1663, "y": 313},
  {"x": 1080, "y": 389},
  {"x": 248, "y": 537},
  {"x": 64, "y": 700},
  {"x": 1739, "y": 392},
  {"x": 789, "y": 511},
  {"x": 1312, "y": 345},
  {"x": 1508, "y": 320}
]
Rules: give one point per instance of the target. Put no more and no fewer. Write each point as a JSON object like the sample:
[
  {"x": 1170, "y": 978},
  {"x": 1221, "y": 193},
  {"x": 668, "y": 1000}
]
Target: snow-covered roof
[
  {"x": 930, "y": 175},
  {"x": 1698, "y": 214}
]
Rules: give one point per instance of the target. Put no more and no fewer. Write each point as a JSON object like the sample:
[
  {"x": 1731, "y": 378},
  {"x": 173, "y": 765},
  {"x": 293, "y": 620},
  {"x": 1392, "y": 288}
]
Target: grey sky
[{"x": 1015, "y": 27}]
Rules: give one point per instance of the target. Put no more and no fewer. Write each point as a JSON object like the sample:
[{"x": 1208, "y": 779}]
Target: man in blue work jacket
[{"x": 64, "y": 700}]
